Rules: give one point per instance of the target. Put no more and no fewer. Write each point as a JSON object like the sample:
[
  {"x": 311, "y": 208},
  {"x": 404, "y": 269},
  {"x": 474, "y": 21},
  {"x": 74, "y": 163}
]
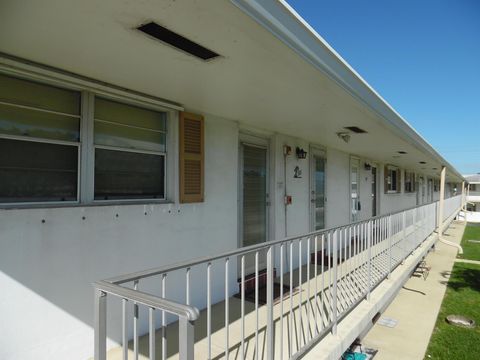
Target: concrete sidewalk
[{"x": 416, "y": 306}]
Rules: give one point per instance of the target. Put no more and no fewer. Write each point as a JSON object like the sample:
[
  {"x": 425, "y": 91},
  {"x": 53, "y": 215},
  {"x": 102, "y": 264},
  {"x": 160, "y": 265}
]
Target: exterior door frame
[
  {"x": 377, "y": 189},
  {"x": 319, "y": 152},
  {"x": 351, "y": 217},
  {"x": 429, "y": 190},
  {"x": 264, "y": 143}
]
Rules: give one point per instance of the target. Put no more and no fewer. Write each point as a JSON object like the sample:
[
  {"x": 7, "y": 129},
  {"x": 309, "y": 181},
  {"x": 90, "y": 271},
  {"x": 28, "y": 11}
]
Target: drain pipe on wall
[
  {"x": 440, "y": 214},
  {"x": 287, "y": 150},
  {"x": 285, "y": 154}
]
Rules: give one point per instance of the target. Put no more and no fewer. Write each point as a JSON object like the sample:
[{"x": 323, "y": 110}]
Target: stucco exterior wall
[
  {"x": 47, "y": 268},
  {"x": 49, "y": 257}
]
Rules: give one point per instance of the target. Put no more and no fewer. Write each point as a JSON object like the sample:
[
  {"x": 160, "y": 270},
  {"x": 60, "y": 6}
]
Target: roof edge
[{"x": 278, "y": 17}]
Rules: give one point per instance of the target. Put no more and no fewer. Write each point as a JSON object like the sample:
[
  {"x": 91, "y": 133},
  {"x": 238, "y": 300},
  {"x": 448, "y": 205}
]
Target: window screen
[
  {"x": 130, "y": 146},
  {"x": 35, "y": 171},
  {"x": 39, "y": 142}
]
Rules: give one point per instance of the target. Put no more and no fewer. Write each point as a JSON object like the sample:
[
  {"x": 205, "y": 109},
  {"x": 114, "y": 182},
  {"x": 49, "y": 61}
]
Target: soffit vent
[
  {"x": 177, "y": 41},
  {"x": 355, "y": 129}
]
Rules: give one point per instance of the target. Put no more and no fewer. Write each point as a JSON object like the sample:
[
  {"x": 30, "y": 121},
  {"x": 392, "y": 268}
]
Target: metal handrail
[
  {"x": 188, "y": 312},
  {"x": 121, "y": 279},
  {"x": 366, "y": 252}
]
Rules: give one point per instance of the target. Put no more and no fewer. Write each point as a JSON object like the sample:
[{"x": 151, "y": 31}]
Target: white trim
[
  {"x": 111, "y": 148},
  {"x": 136, "y": 201},
  {"x": 88, "y": 157},
  {"x": 172, "y": 165},
  {"x": 85, "y": 145},
  {"x": 316, "y": 151},
  {"x": 138, "y": 151},
  {"x": 129, "y": 126},
  {"x": 40, "y": 140},
  {"x": 38, "y": 204},
  {"x": 33, "y": 108},
  {"x": 51, "y": 142},
  {"x": 280, "y": 19},
  {"x": 377, "y": 187},
  {"x": 356, "y": 216},
  {"x": 262, "y": 143}
]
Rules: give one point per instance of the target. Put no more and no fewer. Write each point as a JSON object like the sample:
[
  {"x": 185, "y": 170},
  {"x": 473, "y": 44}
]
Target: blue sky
[{"x": 422, "y": 56}]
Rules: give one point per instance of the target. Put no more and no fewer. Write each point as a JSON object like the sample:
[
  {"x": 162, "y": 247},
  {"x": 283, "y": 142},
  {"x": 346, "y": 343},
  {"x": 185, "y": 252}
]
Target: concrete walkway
[{"x": 416, "y": 306}]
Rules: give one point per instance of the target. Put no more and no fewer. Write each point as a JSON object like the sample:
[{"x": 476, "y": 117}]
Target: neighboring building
[
  {"x": 120, "y": 152},
  {"x": 473, "y": 197}
]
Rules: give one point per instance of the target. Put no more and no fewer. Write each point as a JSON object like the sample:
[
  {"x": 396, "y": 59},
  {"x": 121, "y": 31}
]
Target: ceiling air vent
[
  {"x": 355, "y": 129},
  {"x": 177, "y": 41}
]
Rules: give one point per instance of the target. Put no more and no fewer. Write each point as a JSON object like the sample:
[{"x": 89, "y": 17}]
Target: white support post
[
  {"x": 100, "y": 325},
  {"x": 442, "y": 202},
  {"x": 404, "y": 236},
  {"x": 186, "y": 332},
  {"x": 270, "y": 324},
  {"x": 389, "y": 234},
  {"x": 335, "y": 280},
  {"x": 369, "y": 250}
]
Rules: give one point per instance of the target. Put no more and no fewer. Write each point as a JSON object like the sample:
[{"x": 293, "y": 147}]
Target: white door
[
  {"x": 355, "y": 204},
  {"x": 430, "y": 190},
  {"x": 374, "y": 191},
  {"x": 420, "y": 191},
  {"x": 317, "y": 189}
]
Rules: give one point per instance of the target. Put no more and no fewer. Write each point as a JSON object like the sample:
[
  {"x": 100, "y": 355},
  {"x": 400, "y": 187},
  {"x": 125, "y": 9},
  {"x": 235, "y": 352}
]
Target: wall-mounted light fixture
[
  {"x": 367, "y": 166},
  {"x": 301, "y": 154}
]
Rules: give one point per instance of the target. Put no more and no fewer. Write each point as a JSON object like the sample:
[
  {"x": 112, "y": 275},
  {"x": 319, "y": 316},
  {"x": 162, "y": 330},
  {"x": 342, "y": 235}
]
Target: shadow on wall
[{"x": 50, "y": 266}]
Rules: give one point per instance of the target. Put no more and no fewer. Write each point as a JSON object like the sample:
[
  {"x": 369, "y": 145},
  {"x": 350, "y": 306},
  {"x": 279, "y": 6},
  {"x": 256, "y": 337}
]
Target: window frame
[
  {"x": 412, "y": 176},
  {"x": 89, "y": 89},
  {"x": 76, "y": 144},
  {"x": 137, "y": 151},
  {"x": 398, "y": 179}
]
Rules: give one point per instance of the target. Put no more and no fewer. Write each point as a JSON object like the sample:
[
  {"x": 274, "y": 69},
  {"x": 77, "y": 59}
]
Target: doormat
[
  {"x": 262, "y": 294},
  {"x": 388, "y": 322}
]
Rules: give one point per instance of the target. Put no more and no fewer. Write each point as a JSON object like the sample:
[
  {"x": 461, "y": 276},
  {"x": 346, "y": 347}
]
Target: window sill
[{"x": 77, "y": 204}]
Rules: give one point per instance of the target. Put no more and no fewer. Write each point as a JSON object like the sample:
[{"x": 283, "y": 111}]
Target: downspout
[
  {"x": 440, "y": 214},
  {"x": 286, "y": 152},
  {"x": 285, "y": 194}
]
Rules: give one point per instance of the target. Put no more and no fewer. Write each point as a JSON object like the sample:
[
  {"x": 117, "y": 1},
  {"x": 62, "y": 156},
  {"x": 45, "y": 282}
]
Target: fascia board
[{"x": 288, "y": 26}]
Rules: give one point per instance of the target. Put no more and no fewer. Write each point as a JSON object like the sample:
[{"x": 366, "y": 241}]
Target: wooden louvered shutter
[{"x": 191, "y": 158}]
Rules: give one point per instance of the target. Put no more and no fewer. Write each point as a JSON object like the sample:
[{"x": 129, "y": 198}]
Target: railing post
[
  {"x": 186, "y": 334},
  {"x": 100, "y": 325},
  {"x": 270, "y": 325},
  {"x": 389, "y": 234},
  {"x": 136, "y": 337},
  {"x": 369, "y": 251},
  {"x": 335, "y": 270},
  {"x": 404, "y": 235}
]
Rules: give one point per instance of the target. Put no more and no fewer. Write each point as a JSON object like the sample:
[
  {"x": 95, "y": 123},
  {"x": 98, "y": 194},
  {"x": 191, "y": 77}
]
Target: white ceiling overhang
[{"x": 274, "y": 73}]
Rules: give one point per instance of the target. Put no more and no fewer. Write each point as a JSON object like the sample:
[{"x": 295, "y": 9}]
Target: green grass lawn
[
  {"x": 471, "y": 251},
  {"x": 461, "y": 298}
]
